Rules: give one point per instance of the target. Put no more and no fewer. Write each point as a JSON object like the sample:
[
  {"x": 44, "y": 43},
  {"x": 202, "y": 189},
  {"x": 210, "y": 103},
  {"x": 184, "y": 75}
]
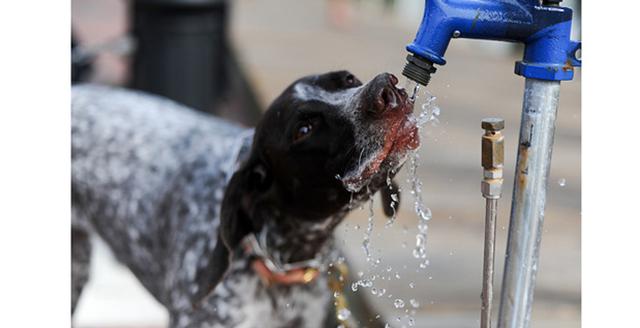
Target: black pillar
[{"x": 180, "y": 50}]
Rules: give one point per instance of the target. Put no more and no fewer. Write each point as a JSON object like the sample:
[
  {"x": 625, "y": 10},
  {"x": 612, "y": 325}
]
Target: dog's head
[
  {"x": 328, "y": 136},
  {"x": 325, "y": 141}
]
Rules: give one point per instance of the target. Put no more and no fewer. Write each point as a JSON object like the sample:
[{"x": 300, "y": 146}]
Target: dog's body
[{"x": 174, "y": 192}]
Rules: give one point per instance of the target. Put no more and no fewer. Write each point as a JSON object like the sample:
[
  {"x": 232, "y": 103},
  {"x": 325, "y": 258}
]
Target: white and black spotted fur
[{"x": 173, "y": 192}]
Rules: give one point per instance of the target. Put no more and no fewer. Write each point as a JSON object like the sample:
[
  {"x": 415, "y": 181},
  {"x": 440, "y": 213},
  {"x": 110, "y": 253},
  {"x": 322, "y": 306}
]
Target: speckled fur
[{"x": 148, "y": 176}]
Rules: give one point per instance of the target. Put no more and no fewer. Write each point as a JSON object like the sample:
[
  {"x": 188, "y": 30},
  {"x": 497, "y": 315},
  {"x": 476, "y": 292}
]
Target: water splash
[
  {"x": 344, "y": 314},
  {"x": 394, "y": 200},
  {"x": 367, "y": 234},
  {"x": 365, "y": 283},
  {"x": 429, "y": 111},
  {"x": 412, "y": 88},
  {"x": 422, "y": 211}
]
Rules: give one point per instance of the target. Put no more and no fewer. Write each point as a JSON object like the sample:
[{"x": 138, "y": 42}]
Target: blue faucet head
[{"x": 544, "y": 28}]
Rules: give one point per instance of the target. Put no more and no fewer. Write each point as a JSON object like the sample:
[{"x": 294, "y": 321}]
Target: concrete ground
[{"x": 279, "y": 41}]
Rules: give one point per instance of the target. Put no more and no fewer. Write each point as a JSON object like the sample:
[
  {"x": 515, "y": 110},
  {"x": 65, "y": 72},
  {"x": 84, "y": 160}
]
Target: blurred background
[{"x": 250, "y": 50}]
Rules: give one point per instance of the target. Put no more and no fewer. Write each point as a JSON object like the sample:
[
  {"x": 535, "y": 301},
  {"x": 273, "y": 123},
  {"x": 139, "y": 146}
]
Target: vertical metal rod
[
  {"x": 537, "y": 129},
  {"x": 489, "y": 260},
  {"x": 491, "y": 186}
]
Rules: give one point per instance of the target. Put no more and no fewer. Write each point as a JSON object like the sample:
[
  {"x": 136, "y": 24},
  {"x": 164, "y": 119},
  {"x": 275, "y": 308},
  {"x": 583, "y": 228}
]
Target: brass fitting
[{"x": 492, "y": 157}]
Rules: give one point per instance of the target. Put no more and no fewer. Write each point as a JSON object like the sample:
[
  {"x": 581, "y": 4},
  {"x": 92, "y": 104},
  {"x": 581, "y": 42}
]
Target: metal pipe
[
  {"x": 491, "y": 216},
  {"x": 492, "y": 163},
  {"x": 537, "y": 129}
]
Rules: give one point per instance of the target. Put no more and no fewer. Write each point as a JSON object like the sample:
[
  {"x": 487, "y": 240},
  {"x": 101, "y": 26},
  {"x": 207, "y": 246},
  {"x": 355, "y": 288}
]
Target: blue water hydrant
[
  {"x": 549, "y": 57},
  {"x": 545, "y": 30}
]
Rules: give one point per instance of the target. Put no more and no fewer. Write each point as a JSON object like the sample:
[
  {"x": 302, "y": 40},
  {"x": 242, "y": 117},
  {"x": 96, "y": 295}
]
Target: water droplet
[
  {"x": 412, "y": 285},
  {"x": 398, "y": 303},
  {"x": 562, "y": 182},
  {"x": 414, "y": 303},
  {"x": 344, "y": 314}
]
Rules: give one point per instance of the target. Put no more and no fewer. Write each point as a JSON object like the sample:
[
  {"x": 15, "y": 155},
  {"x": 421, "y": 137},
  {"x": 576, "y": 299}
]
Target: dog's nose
[{"x": 386, "y": 95}]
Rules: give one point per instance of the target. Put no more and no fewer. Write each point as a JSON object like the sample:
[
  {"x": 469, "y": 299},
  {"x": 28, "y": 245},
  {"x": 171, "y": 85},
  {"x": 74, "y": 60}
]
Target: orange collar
[
  {"x": 271, "y": 273},
  {"x": 289, "y": 277}
]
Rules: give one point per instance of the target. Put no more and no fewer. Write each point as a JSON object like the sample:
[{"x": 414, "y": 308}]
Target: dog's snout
[
  {"x": 387, "y": 99},
  {"x": 393, "y": 79},
  {"x": 385, "y": 94}
]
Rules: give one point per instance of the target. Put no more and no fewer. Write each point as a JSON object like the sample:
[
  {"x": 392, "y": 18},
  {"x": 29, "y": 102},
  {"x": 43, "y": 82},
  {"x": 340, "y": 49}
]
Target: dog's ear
[
  {"x": 236, "y": 221},
  {"x": 390, "y": 196}
]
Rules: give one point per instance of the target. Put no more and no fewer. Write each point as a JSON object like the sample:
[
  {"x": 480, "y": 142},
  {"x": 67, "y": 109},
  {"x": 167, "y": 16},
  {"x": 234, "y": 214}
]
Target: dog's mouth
[{"x": 399, "y": 137}]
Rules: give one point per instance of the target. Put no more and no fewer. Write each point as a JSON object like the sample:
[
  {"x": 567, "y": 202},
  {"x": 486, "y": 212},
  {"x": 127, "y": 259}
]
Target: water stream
[
  {"x": 428, "y": 112},
  {"x": 367, "y": 235},
  {"x": 425, "y": 112}
]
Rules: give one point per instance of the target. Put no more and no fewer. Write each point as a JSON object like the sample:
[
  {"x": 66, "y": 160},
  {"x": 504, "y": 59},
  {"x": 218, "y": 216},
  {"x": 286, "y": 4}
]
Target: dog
[{"x": 228, "y": 226}]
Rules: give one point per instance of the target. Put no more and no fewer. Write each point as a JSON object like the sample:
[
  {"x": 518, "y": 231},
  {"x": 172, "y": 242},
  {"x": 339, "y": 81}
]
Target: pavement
[{"x": 280, "y": 41}]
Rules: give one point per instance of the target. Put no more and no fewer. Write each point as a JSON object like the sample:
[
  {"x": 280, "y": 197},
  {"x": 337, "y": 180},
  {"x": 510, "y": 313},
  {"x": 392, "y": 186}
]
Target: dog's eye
[{"x": 303, "y": 131}]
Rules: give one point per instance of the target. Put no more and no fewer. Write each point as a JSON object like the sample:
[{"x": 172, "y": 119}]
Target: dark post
[{"x": 180, "y": 50}]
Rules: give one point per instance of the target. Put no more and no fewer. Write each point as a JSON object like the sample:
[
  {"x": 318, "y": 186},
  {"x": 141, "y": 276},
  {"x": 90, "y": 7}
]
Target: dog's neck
[
  {"x": 287, "y": 239},
  {"x": 290, "y": 239}
]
